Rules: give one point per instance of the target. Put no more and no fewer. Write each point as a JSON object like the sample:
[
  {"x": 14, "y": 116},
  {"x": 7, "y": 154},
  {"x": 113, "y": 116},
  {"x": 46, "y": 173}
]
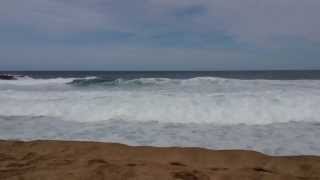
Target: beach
[
  {"x": 159, "y": 126},
  {"x": 73, "y": 160}
]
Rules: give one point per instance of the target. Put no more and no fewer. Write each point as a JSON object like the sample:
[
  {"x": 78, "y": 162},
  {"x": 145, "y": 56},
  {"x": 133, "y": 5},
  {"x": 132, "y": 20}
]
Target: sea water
[{"x": 275, "y": 112}]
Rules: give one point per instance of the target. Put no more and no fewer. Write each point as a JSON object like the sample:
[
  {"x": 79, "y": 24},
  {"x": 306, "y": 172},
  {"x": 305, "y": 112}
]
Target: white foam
[
  {"x": 275, "y": 139},
  {"x": 28, "y": 81},
  {"x": 197, "y": 100}
]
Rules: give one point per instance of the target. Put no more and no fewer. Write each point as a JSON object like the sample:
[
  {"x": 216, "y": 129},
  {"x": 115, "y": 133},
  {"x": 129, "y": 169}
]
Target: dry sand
[{"x": 59, "y": 160}]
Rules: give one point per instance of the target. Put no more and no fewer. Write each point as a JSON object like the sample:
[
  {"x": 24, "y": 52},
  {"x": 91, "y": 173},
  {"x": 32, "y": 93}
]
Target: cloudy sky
[{"x": 159, "y": 34}]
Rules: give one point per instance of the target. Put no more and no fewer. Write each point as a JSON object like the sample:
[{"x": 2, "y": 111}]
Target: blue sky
[{"x": 159, "y": 34}]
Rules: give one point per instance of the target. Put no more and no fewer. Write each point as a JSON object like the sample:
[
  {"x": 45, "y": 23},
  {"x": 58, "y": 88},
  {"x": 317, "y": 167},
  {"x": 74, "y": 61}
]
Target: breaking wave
[
  {"x": 278, "y": 117},
  {"x": 195, "y": 100},
  {"x": 144, "y": 81}
]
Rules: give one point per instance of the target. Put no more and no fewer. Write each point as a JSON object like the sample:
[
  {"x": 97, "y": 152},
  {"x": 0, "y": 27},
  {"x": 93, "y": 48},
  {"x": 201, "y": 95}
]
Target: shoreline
[{"x": 53, "y": 160}]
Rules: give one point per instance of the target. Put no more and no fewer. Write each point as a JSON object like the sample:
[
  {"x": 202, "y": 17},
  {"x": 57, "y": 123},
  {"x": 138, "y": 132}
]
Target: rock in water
[{"x": 7, "y": 77}]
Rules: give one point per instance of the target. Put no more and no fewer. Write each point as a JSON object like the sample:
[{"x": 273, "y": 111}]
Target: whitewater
[{"x": 278, "y": 117}]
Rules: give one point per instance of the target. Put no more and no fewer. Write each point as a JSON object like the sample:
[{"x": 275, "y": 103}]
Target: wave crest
[{"x": 146, "y": 81}]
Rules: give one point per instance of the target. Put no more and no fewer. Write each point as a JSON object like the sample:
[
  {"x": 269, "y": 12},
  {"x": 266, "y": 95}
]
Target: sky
[{"x": 159, "y": 34}]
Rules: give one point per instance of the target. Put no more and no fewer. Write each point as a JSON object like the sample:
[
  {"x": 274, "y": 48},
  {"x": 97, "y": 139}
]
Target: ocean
[{"x": 274, "y": 112}]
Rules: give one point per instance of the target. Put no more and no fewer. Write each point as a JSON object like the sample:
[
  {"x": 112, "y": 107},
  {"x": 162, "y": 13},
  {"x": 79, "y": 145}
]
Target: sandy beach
[{"x": 56, "y": 160}]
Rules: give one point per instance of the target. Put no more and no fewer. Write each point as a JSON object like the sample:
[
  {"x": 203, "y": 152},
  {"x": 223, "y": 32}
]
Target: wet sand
[{"x": 59, "y": 160}]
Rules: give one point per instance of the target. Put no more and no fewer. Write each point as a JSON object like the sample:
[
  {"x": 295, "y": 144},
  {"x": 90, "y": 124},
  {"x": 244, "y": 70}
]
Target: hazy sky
[{"x": 159, "y": 34}]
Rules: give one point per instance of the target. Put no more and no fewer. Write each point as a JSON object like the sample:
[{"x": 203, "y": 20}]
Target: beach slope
[{"x": 57, "y": 160}]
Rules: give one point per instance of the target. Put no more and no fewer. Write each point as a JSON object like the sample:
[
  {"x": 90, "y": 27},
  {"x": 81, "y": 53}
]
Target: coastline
[{"x": 70, "y": 160}]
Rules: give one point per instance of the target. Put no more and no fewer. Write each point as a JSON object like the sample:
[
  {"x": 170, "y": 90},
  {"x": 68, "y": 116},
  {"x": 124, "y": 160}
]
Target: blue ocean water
[
  {"x": 275, "y": 74},
  {"x": 275, "y": 112}
]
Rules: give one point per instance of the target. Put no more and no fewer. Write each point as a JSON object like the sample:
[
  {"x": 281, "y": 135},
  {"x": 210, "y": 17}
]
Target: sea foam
[
  {"x": 279, "y": 117},
  {"x": 196, "y": 100}
]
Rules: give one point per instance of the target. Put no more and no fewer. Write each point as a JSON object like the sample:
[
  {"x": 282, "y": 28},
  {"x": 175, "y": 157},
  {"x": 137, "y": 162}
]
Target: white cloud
[
  {"x": 260, "y": 20},
  {"x": 120, "y": 58},
  {"x": 245, "y": 20},
  {"x": 51, "y": 15}
]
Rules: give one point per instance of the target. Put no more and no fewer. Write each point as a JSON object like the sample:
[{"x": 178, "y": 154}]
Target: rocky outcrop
[{"x": 7, "y": 77}]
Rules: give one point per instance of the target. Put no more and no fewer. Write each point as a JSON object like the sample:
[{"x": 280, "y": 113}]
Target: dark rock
[{"x": 7, "y": 77}]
